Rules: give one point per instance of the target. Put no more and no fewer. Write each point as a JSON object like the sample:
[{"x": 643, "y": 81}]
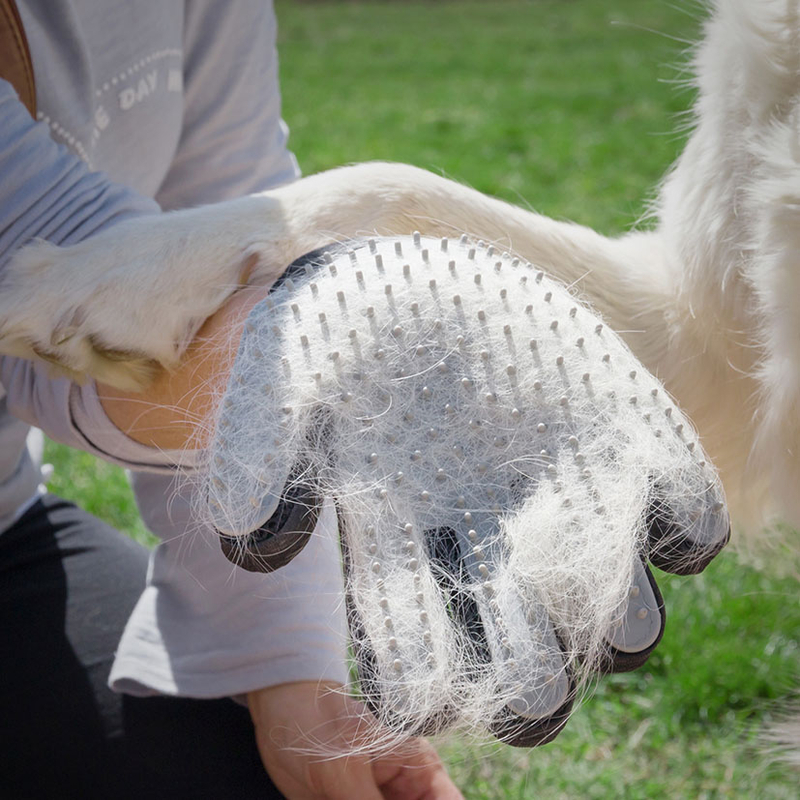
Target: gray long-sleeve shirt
[{"x": 148, "y": 106}]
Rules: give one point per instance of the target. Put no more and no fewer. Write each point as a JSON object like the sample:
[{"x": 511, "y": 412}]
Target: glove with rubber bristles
[{"x": 503, "y": 468}]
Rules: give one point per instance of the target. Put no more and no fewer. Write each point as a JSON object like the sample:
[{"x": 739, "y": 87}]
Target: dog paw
[
  {"x": 128, "y": 300},
  {"x": 53, "y": 310}
]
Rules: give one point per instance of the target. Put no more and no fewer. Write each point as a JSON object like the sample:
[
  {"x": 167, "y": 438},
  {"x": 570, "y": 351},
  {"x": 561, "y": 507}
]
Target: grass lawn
[{"x": 569, "y": 106}]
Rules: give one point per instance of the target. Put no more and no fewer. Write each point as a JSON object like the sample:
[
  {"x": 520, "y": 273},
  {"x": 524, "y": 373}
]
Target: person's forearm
[{"x": 171, "y": 412}]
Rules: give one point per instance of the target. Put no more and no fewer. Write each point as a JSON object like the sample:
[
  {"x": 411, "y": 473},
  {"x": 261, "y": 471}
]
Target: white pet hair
[{"x": 433, "y": 386}]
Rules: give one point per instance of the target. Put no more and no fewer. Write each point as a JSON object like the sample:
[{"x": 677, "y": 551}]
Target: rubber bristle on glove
[{"x": 502, "y": 466}]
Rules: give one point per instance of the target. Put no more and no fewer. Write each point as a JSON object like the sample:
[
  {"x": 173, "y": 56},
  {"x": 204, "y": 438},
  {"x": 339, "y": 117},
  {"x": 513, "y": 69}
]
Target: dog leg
[
  {"x": 133, "y": 296},
  {"x": 130, "y": 298}
]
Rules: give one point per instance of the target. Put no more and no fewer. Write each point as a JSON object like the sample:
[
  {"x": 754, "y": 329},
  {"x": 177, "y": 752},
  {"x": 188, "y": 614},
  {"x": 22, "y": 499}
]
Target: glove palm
[{"x": 502, "y": 467}]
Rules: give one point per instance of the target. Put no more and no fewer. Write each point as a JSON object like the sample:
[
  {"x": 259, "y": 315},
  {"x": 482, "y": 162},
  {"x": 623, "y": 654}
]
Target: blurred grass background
[{"x": 570, "y": 106}]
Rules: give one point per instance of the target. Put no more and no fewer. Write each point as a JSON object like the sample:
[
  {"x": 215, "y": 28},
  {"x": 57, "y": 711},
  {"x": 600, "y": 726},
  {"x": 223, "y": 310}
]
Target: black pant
[{"x": 67, "y": 585}]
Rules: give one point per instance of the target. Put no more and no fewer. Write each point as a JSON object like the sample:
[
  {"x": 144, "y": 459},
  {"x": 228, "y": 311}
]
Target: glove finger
[
  {"x": 686, "y": 530},
  {"x": 638, "y": 632},
  {"x": 401, "y": 634},
  {"x": 262, "y": 420},
  {"x": 512, "y": 641},
  {"x": 255, "y": 441},
  {"x": 275, "y": 543},
  {"x": 687, "y": 521}
]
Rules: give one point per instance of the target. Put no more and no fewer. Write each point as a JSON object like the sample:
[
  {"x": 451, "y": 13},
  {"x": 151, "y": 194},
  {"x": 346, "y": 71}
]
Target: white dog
[{"x": 709, "y": 300}]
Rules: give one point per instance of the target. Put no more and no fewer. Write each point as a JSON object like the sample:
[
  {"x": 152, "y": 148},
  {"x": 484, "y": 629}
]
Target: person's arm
[
  {"x": 203, "y": 628},
  {"x": 49, "y": 193},
  {"x": 233, "y": 143}
]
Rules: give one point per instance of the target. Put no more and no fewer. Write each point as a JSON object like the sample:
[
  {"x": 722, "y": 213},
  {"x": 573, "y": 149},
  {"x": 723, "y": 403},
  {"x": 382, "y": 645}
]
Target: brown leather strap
[{"x": 15, "y": 57}]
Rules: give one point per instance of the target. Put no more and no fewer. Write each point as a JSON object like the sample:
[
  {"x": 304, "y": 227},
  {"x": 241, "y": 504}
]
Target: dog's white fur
[{"x": 709, "y": 300}]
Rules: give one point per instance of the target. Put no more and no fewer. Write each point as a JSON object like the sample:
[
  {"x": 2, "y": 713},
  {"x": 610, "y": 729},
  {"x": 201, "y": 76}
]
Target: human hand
[
  {"x": 503, "y": 468},
  {"x": 296, "y": 722}
]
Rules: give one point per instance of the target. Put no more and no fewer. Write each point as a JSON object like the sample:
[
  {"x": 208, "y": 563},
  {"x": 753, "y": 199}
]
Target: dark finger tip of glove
[
  {"x": 615, "y": 659},
  {"x": 280, "y": 538},
  {"x": 686, "y": 549},
  {"x": 519, "y": 730}
]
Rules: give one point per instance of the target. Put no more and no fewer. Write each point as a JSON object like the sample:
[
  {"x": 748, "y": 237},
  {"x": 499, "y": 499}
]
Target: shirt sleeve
[
  {"x": 203, "y": 628},
  {"x": 234, "y": 141},
  {"x": 49, "y": 193}
]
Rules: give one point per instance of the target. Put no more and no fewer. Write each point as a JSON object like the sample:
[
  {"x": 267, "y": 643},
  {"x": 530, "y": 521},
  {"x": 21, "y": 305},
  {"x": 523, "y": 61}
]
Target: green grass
[
  {"x": 558, "y": 103},
  {"x": 570, "y": 107}
]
